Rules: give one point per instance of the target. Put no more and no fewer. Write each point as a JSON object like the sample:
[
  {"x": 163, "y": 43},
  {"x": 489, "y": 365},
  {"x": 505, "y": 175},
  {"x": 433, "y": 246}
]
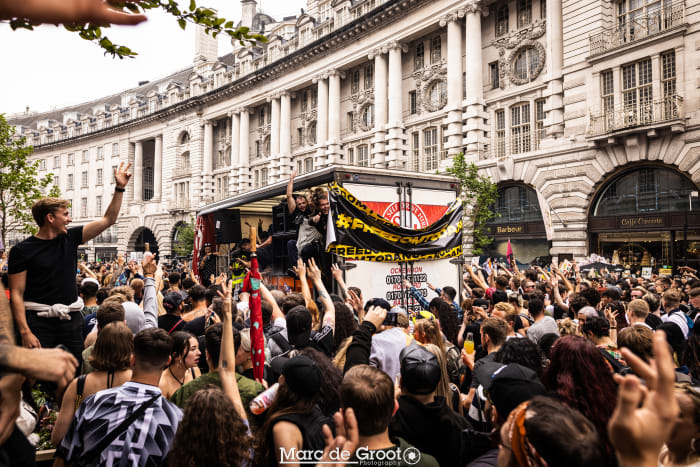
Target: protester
[
  {"x": 183, "y": 363},
  {"x": 543, "y": 324}
]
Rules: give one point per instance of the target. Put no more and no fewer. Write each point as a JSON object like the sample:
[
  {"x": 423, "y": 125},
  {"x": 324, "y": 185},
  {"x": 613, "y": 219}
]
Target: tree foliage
[
  {"x": 480, "y": 193},
  {"x": 184, "y": 239},
  {"x": 192, "y": 14},
  {"x": 20, "y": 184}
]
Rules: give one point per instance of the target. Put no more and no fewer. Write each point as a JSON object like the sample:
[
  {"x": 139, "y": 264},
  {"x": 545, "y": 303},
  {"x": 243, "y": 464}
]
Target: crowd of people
[{"x": 529, "y": 368}]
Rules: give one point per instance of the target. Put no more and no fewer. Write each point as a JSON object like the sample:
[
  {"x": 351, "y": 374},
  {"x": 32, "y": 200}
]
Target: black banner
[{"x": 362, "y": 234}]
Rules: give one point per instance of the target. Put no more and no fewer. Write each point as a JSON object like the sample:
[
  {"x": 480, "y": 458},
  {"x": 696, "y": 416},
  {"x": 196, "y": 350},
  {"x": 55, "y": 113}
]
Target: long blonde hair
[
  {"x": 429, "y": 331},
  {"x": 443, "y": 388}
]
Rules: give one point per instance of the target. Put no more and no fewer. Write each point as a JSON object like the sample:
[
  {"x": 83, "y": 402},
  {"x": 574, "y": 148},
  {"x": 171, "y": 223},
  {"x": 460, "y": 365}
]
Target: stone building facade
[{"x": 585, "y": 112}]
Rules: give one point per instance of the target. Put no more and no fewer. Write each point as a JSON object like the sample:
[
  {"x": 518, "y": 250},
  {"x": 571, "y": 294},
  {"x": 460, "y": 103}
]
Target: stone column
[
  {"x": 380, "y": 108},
  {"x": 554, "y": 107},
  {"x": 138, "y": 172},
  {"x": 275, "y": 126},
  {"x": 285, "y": 163},
  {"x": 235, "y": 148},
  {"x": 396, "y": 156},
  {"x": 321, "y": 120},
  {"x": 158, "y": 169},
  {"x": 454, "y": 81},
  {"x": 244, "y": 151},
  {"x": 335, "y": 152},
  {"x": 475, "y": 81},
  {"x": 208, "y": 148}
]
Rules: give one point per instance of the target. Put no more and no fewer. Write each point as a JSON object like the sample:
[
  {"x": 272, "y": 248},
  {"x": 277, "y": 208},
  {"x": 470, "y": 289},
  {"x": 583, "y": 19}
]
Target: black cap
[
  {"x": 301, "y": 374},
  {"x": 420, "y": 370},
  {"x": 172, "y": 300},
  {"x": 298, "y": 326},
  {"x": 499, "y": 296},
  {"x": 508, "y": 385}
]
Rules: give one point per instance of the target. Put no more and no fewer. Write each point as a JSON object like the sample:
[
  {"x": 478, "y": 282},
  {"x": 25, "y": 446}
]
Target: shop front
[
  {"x": 647, "y": 217},
  {"x": 518, "y": 218}
]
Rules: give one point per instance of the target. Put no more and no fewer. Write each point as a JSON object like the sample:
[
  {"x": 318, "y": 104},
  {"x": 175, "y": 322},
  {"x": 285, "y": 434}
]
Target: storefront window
[
  {"x": 517, "y": 204},
  {"x": 646, "y": 191}
]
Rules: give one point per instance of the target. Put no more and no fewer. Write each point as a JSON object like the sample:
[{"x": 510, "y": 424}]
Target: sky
[{"x": 51, "y": 68}]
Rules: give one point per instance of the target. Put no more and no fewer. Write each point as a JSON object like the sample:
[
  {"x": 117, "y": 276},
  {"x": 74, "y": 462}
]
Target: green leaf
[
  {"x": 193, "y": 5},
  {"x": 182, "y": 23},
  {"x": 228, "y": 25}
]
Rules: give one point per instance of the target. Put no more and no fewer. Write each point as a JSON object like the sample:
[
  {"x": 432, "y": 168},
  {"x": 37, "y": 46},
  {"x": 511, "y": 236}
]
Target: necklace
[{"x": 170, "y": 369}]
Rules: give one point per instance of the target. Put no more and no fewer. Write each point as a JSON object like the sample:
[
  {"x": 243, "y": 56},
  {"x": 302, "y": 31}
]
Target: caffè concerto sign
[{"x": 639, "y": 221}]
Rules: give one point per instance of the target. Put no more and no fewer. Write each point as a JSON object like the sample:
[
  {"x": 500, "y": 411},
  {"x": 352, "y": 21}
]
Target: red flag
[
  {"x": 251, "y": 284},
  {"x": 509, "y": 254}
]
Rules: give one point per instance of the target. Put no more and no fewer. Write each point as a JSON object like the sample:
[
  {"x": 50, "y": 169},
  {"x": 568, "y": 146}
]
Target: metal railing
[
  {"x": 510, "y": 145},
  {"x": 106, "y": 238},
  {"x": 623, "y": 117},
  {"x": 659, "y": 20}
]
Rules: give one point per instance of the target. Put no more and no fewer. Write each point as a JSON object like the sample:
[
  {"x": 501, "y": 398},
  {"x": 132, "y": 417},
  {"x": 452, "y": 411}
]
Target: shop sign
[
  {"x": 633, "y": 222},
  {"x": 665, "y": 272},
  {"x": 646, "y": 272},
  {"x": 509, "y": 229}
]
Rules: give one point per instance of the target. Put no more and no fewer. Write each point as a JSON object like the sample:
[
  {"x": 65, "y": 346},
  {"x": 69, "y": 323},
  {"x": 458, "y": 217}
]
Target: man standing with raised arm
[{"x": 42, "y": 269}]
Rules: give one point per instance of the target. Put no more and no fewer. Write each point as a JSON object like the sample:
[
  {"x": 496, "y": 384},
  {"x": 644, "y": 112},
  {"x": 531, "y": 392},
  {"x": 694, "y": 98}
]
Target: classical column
[
  {"x": 285, "y": 163},
  {"x": 475, "y": 83},
  {"x": 335, "y": 152},
  {"x": 158, "y": 169},
  {"x": 235, "y": 148},
  {"x": 321, "y": 120},
  {"x": 138, "y": 171},
  {"x": 554, "y": 107},
  {"x": 454, "y": 80},
  {"x": 244, "y": 152},
  {"x": 275, "y": 126},
  {"x": 380, "y": 107},
  {"x": 396, "y": 139},
  {"x": 207, "y": 156}
]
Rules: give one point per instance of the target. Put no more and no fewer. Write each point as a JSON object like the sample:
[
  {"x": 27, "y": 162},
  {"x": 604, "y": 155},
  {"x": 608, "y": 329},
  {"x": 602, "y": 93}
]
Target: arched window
[
  {"x": 502, "y": 21},
  {"x": 437, "y": 95},
  {"x": 184, "y": 138},
  {"x": 312, "y": 133},
  {"x": 526, "y": 64},
  {"x": 517, "y": 203},
  {"x": 646, "y": 190}
]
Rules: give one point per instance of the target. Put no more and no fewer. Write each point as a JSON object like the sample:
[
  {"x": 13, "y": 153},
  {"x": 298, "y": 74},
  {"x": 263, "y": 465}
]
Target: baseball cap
[
  {"x": 298, "y": 326},
  {"x": 420, "y": 370},
  {"x": 508, "y": 385},
  {"x": 88, "y": 280},
  {"x": 172, "y": 300},
  {"x": 301, "y": 374},
  {"x": 134, "y": 317}
]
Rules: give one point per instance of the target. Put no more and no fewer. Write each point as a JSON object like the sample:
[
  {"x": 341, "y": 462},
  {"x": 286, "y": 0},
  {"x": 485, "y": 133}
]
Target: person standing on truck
[
  {"x": 299, "y": 209},
  {"x": 319, "y": 223},
  {"x": 207, "y": 266}
]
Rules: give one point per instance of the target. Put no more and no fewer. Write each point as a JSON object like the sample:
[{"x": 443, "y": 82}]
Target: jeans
[
  {"x": 292, "y": 252},
  {"x": 54, "y": 331}
]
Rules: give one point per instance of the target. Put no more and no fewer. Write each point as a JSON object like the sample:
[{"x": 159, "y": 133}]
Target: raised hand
[
  {"x": 376, "y": 315},
  {"x": 149, "y": 265},
  {"x": 122, "y": 175},
  {"x": 347, "y": 437},
  {"x": 337, "y": 272},
  {"x": 300, "y": 268},
  {"x": 313, "y": 271}
]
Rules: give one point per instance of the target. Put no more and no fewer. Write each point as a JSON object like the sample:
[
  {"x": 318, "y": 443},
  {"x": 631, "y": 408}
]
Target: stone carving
[
  {"x": 425, "y": 77},
  {"x": 359, "y": 104},
  {"x": 517, "y": 41},
  {"x": 428, "y": 104}
]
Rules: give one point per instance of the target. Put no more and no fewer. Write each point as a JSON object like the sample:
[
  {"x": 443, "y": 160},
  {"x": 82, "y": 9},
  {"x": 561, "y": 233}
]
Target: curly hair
[
  {"x": 211, "y": 432},
  {"x": 345, "y": 324},
  {"x": 448, "y": 318},
  {"x": 522, "y": 351},
  {"x": 582, "y": 379},
  {"x": 332, "y": 377}
]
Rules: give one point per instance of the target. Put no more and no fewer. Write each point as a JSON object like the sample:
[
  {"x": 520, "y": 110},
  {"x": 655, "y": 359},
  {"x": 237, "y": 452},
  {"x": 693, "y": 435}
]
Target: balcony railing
[
  {"x": 182, "y": 172},
  {"x": 631, "y": 30},
  {"x": 106, "y": 238},
  {"x": 625, "y": 117},
  {"x": 179, "y": 204}
]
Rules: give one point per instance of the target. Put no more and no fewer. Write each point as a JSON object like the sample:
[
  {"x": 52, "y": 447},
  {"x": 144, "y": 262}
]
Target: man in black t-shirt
[
  {"x": 42, "y": 270},
  {"x": 207, "y": 266},
  {"x": 298, "y": 209}
]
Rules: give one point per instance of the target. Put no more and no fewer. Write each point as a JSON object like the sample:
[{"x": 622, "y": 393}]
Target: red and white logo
[{"x": 418, "y": 219}]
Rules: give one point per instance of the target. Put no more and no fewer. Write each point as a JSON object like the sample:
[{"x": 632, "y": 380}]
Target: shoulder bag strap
[
  {"x": 176, "y": 325},
  {"x": 80, "y": 388},
  {"x": 90, "y": 456}
]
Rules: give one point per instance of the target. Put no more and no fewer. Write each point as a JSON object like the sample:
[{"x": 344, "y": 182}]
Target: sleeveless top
[{"x": 311, "y": 427}]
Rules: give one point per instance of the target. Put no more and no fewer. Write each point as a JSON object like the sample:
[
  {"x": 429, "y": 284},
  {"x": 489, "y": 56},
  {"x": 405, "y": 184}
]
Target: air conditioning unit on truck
[{"x": 406, "y": 200}]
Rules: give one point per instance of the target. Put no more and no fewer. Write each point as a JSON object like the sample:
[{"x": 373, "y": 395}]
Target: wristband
[{"x": 119, "y": 190}]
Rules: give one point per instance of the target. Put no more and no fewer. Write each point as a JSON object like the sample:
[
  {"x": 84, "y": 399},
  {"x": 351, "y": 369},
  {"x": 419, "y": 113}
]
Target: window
[
  {"x": 351, "y": 156},
  {"x": 42, "y": 164},
  {"x": 83, "y": 207},
  {"x": 56, "y": 162},
  {"x": 312, "y": 133},
  {"x": 435, "y": 50},
  {"x": 413, "y": 102},
  {"x": 526, "y": 64},
  {"x": 351, "y": 121},
  {"x": 608, "y": 97},
  {"x": 309, "y": 164},
  {"x": 520, "y": 128},
  {"x": 57, "y": 181},
  {"x": 115, "y": 149},
  {"x": 148, "y": 183},
  {"x": 419, "y": 57},
  {"x": 430, "y": 149},
  {"x": 263, "y": 177},
  {"x": 99, "y": 177},
  {"x": 100, "y": 153},
  {"x": 300, "y": 136},
  {"x": 355, "y": 82},
  {"x": 256, "y": 182},
  {"x": 668, "y": 84},
  {"x": 261, "y": 116},
  {"x": 636, "y": 92},
  {"x": 314, "y": 97},
  {"x": 183, "y": 162},
  {"x": 86, "y": 157},
  {"x": 363, "y": 155},
  {"x": 640, "y": 18},
  {"x": 300, "y": 167},
  {"x": 98, "y": 204},
  {"x": 415, "y": 147},
  {"x": 500, "y": 133},
  {"x": 437, "y": 95},
  {"x": 258, "y": 149},
  {"x": 70, "y": 182},
  {"x": 369, "y": 76},
  {"x": 495, "y": 79},
  {"x": 84, "y": 179},
  {"x": 325, "y": 10},
  {"x": 524, "y": 10},
  {"x": 368, "y": 116},
  {"x": 543, "y": 9},
  {"x": 71, "y": 160},
  {"x": 539, "y": 122},
  {"x": 502, "y": 21},
  {"x": 304, "y": 100}
]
